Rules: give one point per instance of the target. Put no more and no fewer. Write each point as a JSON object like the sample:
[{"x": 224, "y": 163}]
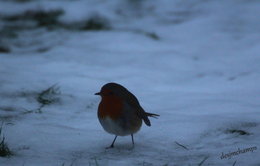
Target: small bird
[{"x": 119, "y": 111}]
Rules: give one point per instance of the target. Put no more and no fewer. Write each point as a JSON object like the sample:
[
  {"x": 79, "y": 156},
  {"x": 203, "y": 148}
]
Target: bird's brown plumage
[{"x": 127, "y": 96}]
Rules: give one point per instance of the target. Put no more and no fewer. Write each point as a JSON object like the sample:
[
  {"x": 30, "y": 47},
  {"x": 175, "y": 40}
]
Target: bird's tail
[
  {"x": 152, "y": 115},
  {"x": 146, "y": 120}
]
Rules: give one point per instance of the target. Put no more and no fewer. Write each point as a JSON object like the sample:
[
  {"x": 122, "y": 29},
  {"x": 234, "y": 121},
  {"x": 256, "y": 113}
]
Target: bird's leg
[
  {"x": 112, "y": 145},
  {"x": 133, "y": 142}
]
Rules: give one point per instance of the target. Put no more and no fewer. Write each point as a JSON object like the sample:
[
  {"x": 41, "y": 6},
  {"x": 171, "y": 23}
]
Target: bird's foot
[{"x": 110, "y": 147}]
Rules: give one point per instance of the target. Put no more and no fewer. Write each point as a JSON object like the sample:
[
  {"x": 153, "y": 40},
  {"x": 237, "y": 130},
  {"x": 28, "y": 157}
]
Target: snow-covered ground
[{"x": 196, "y": 63}]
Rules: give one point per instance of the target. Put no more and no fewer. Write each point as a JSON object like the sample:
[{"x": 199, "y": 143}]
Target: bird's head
[{"x": 111, "y": 89}]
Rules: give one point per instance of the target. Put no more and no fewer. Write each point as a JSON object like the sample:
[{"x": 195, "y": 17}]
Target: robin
[{"x": 119, "y": 111}]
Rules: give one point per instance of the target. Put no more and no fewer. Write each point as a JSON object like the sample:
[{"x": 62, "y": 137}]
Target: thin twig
[
  {"x": 1, "y": 127},
  {"x": 203, "y": 160},
  {"x": 234, "y": 163},
  {"x": 96, "y": 163},
  {"x": 181, "y": 145}
]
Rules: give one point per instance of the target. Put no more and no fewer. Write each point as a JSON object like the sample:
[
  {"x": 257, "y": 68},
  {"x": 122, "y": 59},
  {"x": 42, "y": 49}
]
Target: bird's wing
[{"x": 133, "y": 102}]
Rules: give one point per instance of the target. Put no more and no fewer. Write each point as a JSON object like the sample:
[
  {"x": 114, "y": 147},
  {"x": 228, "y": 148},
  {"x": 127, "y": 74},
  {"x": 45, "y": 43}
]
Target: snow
[{"x": 201, "y": 76}]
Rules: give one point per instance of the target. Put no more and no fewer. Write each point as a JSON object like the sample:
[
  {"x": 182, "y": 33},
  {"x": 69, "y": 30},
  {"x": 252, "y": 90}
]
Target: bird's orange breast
[{"x": 110, "y": 106}]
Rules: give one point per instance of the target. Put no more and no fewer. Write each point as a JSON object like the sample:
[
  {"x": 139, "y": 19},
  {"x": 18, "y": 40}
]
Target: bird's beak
[{"x": 97, "y": 93}]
